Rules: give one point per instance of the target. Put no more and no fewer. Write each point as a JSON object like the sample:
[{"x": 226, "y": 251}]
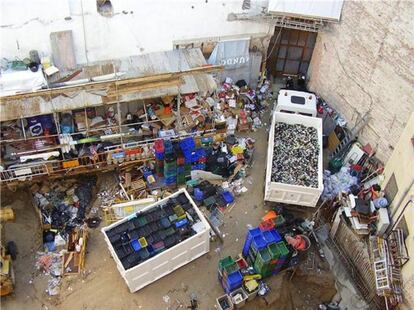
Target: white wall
[{"x": 145, "y": 25}]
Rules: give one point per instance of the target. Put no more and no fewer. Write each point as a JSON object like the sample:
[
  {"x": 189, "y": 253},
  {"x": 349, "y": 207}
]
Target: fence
[{"x": 353, "y": 250}]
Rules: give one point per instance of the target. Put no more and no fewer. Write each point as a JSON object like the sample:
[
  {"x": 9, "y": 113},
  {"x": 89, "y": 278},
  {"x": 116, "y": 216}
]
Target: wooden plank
[
  {"x": 62, "y": 50},
  {"x": 67, "y": 262}
]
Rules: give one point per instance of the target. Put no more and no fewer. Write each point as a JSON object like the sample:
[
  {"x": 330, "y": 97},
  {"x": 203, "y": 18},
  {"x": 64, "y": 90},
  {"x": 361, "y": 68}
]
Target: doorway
[{"x": 290, "y": 51}]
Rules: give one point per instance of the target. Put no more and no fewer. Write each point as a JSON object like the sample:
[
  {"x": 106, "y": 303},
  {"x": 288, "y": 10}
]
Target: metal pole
[
  {"x": 179, "y": 123},
  {"x": 24, "y": 131}
]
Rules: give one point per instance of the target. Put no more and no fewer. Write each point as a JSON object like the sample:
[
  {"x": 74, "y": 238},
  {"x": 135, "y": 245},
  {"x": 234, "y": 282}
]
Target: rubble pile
[
  {"x": 295, "y": 156},
  {"x": 63, "y": 204}
]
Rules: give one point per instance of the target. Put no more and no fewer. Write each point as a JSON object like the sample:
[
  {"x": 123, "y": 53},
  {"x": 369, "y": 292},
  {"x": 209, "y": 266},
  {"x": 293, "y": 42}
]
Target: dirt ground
[{"x": 103, "y": 288}]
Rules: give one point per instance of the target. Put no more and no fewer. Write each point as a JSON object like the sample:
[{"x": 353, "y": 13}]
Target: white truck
[{"x": 292, "y": 108}]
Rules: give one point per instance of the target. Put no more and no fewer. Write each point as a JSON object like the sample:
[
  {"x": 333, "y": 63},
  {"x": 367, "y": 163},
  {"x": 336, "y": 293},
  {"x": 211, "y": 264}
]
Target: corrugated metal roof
[
  {"x": 158, "y": 63},
  {"x": 134, "y": 66}
]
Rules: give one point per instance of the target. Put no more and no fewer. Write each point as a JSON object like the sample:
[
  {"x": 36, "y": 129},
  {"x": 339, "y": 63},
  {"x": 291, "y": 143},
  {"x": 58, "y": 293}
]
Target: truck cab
[{"x": 296, "y": 102}]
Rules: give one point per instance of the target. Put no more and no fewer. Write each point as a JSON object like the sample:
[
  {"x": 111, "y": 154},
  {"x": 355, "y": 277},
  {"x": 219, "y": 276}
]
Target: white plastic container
[
  {"x": 238, "y": 297},
  {"x": 227, "y": 298},
  {"x": 287, "y": 193},
  {"x": 169, "y": 260}
]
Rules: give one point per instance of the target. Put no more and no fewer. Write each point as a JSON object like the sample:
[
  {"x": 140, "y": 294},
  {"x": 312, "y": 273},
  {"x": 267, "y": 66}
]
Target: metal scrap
[{"x": 295, "y": 155}]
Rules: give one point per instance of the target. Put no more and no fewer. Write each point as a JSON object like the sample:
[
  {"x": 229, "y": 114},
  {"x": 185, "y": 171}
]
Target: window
[{"x": 297, "y": 100}]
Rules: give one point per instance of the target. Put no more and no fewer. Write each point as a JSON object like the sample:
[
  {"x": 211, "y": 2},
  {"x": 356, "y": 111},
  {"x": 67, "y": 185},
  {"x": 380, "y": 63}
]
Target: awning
[{"x": 143, "y": 66}]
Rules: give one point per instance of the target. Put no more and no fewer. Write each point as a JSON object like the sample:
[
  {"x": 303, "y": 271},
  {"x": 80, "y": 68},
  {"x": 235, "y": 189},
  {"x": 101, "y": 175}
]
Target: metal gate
[{"x": 290, "y": 51}]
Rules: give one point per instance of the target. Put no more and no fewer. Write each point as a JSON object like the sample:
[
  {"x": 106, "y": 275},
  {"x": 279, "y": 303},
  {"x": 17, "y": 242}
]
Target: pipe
[{"x": 397, "y": 221}]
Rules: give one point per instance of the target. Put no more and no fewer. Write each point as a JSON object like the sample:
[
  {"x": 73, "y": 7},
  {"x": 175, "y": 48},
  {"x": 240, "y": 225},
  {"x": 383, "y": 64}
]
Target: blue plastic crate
[
  {"x": 198, "y": 194},
  {"x": 252, "y": 232},
  {"x": 181, "y": 223},
  {"x": 271, "y": 236},
  {"x": 228, "y": 197},
  {"x": 234, "y": 280},
  {"x": 136, "y": 245},
  {"x": 159, "y": 156},
  {"x": 258, "y": 243},
  {"x": 187, "y": 144},
  {"x": 201, "y": 152}
]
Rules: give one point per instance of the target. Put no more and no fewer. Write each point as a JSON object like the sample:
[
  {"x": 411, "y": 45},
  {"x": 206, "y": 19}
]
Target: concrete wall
[
  {"x": 401, "y": 164},
  {"x": 136, "y": 27},
  {"x": 365, "y": 63}
]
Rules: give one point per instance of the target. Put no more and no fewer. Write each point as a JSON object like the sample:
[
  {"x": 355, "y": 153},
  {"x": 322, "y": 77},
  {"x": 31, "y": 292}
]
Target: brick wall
[{"x": 366, "y": 64}]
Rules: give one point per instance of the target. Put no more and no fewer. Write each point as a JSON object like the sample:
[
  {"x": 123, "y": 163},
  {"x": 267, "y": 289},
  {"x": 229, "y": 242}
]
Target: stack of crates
[
  {"x": 265, "y": 251},
  {"x": 181, "y": 176},
  {"x": 187, "y": 146},
  {"x": 170, "y": 164},
  {"x": 262, "y": 263},
  {"x": 159, "y": 152},
  {"x": 229, "y": 274},
  {"x": 283, "y": 252}
]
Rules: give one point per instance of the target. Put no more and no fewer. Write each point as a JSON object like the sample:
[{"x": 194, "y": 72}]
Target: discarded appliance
[{"x": 157, "y": 240}]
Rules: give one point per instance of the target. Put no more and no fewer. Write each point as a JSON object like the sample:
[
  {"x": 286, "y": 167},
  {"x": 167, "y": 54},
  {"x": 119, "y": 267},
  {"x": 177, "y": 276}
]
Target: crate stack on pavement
[
  {"x": 229, "y": 274},
  {"x": 265, "y": 251},
  {"x": 170, "y": 164},
  {"x": 159, "y": 151}
]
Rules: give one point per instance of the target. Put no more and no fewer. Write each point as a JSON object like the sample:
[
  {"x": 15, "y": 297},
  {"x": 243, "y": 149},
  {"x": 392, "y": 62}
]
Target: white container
[
  {"x": 252, "y": 295},
  {"x": 298, "y": 102},
  {"x": 169, "y": 260},
  {"x": 238, "y": 297},
  {"x": 229, "y": 302},
  {"x": 287, "y": 193}
]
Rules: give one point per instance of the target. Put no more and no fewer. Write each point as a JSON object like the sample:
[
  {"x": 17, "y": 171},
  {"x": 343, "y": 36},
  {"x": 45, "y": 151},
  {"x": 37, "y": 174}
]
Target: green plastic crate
[
  {"x": 262, "y": 261},
  {"x": 262, "y": 269},
  {"x": 273, "y": 250},
  {"x": 280, "y": 220},
  {"x": 227, "y": 261},
  {"x": 283, "y": 250},
  {"x": 229, "y": 269},
  {"x": 264, "y": 255}
]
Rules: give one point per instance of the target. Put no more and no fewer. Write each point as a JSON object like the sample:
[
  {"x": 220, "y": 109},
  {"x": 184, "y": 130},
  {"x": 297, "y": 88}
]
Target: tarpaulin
[
  {"x": 235, "y": 56},
  {"x": 12, "y": 82}
]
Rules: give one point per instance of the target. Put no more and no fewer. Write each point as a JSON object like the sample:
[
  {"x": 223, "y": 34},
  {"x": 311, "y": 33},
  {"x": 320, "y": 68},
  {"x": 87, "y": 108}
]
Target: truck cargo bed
[{"x": 288, "y": 193}]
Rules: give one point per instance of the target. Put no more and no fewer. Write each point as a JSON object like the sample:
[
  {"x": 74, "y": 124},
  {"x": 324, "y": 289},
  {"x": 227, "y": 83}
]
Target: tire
[{"x": 11, "y": 249}]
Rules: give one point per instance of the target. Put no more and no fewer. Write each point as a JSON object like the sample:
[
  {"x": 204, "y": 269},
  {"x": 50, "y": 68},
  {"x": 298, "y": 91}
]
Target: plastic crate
[
  {"x": 234, "y": 280},
  {"x": 280, "y": 220},
  {"x": 135, "y": 245},
  {"x": 273, "y": 250},
  {"x": 228, "y": 197},
  {"x": 229, "y": 269},
  {"x": 271, "y": 236},
  {"x": 258, "y": 243},
  {"x": 227, "y": 261},
  {"x": 253, "y": 232},
  {"x": 187, "y": 144},
  {"x": 284, "y": 251},
  {"x": 159, "y": 156}
]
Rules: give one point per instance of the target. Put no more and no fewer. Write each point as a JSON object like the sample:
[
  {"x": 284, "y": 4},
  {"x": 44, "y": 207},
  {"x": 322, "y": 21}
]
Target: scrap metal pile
[{"x": 295, "y": 155}]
